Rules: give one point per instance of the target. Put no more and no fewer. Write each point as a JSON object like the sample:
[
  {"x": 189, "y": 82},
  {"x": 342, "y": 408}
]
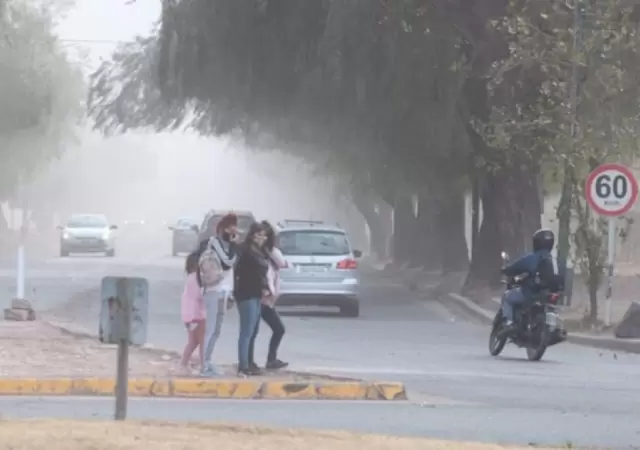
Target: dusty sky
[{"x": 168, "y": 175}]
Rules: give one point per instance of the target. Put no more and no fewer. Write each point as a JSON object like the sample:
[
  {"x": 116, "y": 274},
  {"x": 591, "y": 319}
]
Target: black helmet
[{"x": 543, "y": 239}]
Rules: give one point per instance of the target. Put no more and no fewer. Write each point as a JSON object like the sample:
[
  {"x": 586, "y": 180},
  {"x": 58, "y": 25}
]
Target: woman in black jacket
[{"x": 250, "y": 285}]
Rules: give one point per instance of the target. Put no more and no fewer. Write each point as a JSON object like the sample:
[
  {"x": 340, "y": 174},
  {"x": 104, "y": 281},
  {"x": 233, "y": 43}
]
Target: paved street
[{"x": 576, "y": 394}]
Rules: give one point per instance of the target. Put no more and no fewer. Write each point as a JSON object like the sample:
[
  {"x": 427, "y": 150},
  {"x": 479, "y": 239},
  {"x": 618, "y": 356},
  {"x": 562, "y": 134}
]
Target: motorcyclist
[{"x": 539, "y": 270}]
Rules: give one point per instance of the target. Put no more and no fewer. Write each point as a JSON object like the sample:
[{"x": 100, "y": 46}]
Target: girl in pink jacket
[{"x": 193, "y": 311}]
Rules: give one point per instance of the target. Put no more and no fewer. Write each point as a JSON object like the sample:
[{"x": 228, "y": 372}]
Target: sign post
[
  {"x": 611, "y": 191},
  {"x": 123, "y": 321}
]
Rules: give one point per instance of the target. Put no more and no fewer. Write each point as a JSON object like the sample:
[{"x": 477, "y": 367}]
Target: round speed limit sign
[{"x": 611, "y": 190}]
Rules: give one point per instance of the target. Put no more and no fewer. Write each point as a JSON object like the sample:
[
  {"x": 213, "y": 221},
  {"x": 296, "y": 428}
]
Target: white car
[
  {"x": 87, "y": 233},
  {"x": 322, "y": 268}
]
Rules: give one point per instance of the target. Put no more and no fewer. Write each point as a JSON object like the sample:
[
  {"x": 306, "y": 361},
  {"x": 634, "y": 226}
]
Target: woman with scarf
[
  {"x": 216, "y": 273},
  {"x": 250, "y": 287},
  {"x": 268, "y": 311}
]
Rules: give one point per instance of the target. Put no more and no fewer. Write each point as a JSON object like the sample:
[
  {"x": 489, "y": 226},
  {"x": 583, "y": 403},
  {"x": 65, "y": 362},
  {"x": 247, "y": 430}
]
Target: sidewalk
[
  {"x": 36, "y": 349},
  {"x": 41, "y": 359}
]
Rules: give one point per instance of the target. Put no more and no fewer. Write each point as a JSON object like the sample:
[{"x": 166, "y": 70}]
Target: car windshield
[
  {"x": 313, "y": 242},
  {"x": 87, "y": 222}
]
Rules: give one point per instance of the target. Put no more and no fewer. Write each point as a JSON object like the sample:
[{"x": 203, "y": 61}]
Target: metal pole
[
  {"x": 24, "y": 227},
  {"x": 122, "y": 380},
  {"x": 564, "y": 208},
  {"x": 122, "y": 371},
  {"x": 611, "y": 260}
]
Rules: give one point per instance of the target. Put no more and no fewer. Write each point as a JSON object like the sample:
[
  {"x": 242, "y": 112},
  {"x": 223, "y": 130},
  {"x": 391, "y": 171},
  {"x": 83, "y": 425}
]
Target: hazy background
[{"x": 161, "y": 177}]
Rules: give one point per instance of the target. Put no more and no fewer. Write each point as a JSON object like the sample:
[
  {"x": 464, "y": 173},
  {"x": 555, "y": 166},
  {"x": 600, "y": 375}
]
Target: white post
[
  {"x": 611, "y": 253},
  {"x": 20, "y": 274}
]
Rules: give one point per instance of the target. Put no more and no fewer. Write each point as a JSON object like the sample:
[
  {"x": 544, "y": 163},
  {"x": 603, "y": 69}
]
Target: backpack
[{"x": 210, "y": 269}]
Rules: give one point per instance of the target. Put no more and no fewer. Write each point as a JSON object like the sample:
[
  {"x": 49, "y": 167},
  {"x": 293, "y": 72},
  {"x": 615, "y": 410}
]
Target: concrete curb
[
  {"x": 604, "y": 342},
  {"x": 211, "y": 388}
]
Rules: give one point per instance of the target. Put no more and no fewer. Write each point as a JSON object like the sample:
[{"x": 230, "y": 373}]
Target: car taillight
[
  {"x": 347, "y": 264},
  {"x": 554, "y": 297}
]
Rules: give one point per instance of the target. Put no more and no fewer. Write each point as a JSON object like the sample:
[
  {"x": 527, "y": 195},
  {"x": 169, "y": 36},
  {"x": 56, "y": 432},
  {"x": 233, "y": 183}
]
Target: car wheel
[
  {"x": 350, "y": 309},
  {"x": 110, "y": 253},
  {"x": 64, "y": 252}
]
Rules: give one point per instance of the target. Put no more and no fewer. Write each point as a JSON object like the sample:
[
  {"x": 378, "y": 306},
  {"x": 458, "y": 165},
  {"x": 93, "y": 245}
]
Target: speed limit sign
[{"x": 611, "y": 190}]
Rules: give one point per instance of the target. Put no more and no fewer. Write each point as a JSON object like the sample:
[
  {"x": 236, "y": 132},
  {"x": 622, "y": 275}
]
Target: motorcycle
[{"x": 538, "y": 325}]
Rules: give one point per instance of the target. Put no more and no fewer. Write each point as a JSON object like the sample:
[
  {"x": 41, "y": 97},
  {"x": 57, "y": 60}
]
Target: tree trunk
[
  {"x": 485, "y": 254},
  {"x": 404, "y": 226},
  {"x": 451, "y": 235},
  {"x": 511, "y": 213},
  {"x": 426, "y": 250},
  {"x": 379, "y": 227}
]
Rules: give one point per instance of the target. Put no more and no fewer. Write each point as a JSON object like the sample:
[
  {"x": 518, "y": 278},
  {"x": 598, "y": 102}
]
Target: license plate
[
  {"x": 552, "y": 320},
  {"x": 312, "y": 269}
]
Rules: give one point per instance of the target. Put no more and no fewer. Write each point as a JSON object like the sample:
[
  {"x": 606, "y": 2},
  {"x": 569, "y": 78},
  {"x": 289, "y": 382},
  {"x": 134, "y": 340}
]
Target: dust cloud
[{"x": 159, "y": 178}]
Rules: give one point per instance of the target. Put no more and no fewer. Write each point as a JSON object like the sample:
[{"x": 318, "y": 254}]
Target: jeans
[
  {"x": 249, "y": 311},
  {"x": 272, "y": 319},
  {"x": 216, "y": 305},
  {"x": 511, "y": 298}
]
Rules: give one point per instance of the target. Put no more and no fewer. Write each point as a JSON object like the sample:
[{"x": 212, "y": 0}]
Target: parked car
[
  {"x": 184, "y": 237},
  {"x": 321, "y": 266},
  {"x": 211, "y": 219},
  {"x": 87, "y": 233}
]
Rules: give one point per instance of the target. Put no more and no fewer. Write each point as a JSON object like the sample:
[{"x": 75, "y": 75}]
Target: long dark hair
[
  {"x": 255, "y": 228},
  {"x": 192, "y": 263},
  {"x": 270, "y": 243}
]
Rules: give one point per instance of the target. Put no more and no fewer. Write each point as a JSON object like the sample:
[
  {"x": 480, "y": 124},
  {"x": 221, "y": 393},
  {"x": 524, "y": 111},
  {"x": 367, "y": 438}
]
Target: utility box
[{"x": 125, "y": 310}]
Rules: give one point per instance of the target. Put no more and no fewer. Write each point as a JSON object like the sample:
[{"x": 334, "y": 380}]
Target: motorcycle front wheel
[
  {"x": 496, "y": 341},
  {"x": 542, "y": 336}
]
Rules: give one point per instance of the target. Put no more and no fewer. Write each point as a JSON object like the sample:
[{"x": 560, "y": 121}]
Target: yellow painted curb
[{"x": 207, "y": 388}]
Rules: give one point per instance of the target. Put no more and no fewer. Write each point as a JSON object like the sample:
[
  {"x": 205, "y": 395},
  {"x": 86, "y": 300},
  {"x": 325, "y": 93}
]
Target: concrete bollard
[{"x": 20, "y": 311}]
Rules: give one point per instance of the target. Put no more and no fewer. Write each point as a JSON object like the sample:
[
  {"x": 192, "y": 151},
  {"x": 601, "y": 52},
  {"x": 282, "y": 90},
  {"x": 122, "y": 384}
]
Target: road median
[
  {"x": 80, "y": 435},
  {"x": 40, "y": 359}
]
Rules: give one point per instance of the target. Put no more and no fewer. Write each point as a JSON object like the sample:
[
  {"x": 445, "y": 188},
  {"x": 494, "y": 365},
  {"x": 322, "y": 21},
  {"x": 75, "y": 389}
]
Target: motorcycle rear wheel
[
  {"x": 496, "y": 341},
  {"x": 536, "y": 352}
]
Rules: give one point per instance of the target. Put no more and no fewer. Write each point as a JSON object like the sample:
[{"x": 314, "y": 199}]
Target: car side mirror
[
  {"x": 357, "y": 253},
  {"x": 113, "y": 227},
  {"x": 170, "y": 228},
  {"x": 59, "y": 227},
  {"x": 195, "y": 228}
]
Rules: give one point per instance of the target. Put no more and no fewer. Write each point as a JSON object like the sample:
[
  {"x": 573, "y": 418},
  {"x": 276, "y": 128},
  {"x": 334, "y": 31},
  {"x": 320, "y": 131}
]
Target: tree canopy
[
  {"x": 40, "y": 90},
  {"x": 413, "y": 101}
]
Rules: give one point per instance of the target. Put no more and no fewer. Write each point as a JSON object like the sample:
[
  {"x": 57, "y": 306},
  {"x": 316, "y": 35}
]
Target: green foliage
[{"x": 40, "y": 90}]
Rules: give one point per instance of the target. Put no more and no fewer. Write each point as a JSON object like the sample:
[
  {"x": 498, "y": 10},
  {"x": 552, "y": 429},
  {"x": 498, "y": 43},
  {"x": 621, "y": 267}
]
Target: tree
[
  {"x": 41, "y": 91},
  {"x": 360, "y": 94},
  {"x": 412, "y": 102},
  {"x": 534, "y": 107}
]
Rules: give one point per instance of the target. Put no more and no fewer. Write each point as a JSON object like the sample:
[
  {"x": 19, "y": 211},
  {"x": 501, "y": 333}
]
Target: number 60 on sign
[{"x": 611, "y": 190}]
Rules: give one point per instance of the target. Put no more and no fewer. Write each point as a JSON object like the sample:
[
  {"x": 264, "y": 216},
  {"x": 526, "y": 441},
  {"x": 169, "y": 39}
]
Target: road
[{"x": 576, "y": 394}]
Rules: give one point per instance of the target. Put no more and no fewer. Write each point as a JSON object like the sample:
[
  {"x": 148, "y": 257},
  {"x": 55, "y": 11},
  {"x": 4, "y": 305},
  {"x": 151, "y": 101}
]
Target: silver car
[
  {"x": 321, "y": 266},
  {"x": 184, "y": 237},
  {"x": 86, "y": 233}
]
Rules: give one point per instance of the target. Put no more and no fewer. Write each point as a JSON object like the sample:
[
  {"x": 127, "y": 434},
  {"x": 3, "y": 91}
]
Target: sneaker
[
  {"x": 209, "y": 371},
  {"x": 276, "y": 364},
  {"x": 250, "y": 372},
  {"x": 253, "y": 366}
]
